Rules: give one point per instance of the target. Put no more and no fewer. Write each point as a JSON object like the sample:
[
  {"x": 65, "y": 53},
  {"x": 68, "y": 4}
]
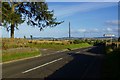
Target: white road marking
[{"x": 41, "y": 65}]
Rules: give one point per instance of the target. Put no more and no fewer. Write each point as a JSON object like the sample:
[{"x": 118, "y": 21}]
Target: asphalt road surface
[{"x": 82, "y": 64}]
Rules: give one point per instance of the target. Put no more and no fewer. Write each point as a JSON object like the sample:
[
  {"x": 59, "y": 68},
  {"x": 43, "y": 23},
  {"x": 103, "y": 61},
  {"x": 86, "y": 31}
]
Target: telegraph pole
[{"x": 69, "y": 31}]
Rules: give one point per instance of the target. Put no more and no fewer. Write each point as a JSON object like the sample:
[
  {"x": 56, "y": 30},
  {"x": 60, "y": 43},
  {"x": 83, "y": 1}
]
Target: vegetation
[
  {"x": 14, "y": 54},
  {"x": 111, "y": 68},
  {"x": 92, "y": 42},
  {"x": 34, "y": 13},
  {"x": 56, "y": 46},
  {"x": 31, "y": 37},
  {"x": 119, "y": 39},
  {"x": 22, "y": 48},
  {"x": 0, "y": 14}
]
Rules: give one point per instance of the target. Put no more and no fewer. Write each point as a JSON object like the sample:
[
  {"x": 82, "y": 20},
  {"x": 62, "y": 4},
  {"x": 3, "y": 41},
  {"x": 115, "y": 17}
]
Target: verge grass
[
  {"x": 55, "y": 46},
  {"x": 81, "y": 45},
  {"x": 16, "y": 54}
]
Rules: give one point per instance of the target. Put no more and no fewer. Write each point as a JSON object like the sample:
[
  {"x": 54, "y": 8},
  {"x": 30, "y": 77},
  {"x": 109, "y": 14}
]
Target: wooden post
[{"x": 117, "y": 44}]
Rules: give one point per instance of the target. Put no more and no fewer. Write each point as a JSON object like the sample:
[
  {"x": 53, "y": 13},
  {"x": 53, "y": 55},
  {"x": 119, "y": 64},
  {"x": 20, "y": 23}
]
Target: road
[{"x": 82, "y": 64}]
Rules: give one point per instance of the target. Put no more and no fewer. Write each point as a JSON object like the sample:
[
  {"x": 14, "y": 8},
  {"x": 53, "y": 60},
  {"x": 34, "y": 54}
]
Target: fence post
[{"x": 117, "y": 44}]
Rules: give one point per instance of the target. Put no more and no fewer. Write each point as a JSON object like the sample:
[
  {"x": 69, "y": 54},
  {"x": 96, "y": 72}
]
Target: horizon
[{"x": 88, "y": 19}]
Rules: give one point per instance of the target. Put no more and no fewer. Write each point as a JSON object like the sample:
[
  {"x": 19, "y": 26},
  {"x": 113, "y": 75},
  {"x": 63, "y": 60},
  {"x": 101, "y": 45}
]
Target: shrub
[{"x": 76, "y": 41}]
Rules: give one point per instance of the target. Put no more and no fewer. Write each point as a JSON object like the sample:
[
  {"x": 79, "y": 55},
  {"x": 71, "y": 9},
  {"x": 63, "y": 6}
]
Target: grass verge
[
  {"x": 81, "y": 45},
  {"x": 16, "y": 54},
  {"x": 59, "y": 46}
]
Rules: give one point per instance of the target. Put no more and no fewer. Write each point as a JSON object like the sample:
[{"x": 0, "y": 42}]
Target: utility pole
[{"x": 69, "y": 31}]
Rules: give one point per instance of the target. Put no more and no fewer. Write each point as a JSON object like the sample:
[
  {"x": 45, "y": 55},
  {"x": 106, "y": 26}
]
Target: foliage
[
  {"x": 76, "y": 41},
  {"x": 24, "y": 37},
  {"x": 31, "y": 37},
  {"x": 0, "y": 15},
  {"x": 92, "y": 42},
  {"x": 9, "y": 16},
  {"x": 98, "y": 42},
  {"x": 119, "y": 39},
  {"x": 111, "y": 64},
  {"x": 34, "y": 13}
]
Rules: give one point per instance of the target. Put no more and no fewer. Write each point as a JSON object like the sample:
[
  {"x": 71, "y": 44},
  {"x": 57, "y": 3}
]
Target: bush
[{"x": 76, "y": 41}]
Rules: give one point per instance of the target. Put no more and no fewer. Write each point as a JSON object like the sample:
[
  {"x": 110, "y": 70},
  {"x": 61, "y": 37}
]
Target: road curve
[{"x": 79, "y": 64}]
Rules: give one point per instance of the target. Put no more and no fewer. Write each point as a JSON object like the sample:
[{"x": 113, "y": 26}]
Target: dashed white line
[{"x": 41, "y": 65}]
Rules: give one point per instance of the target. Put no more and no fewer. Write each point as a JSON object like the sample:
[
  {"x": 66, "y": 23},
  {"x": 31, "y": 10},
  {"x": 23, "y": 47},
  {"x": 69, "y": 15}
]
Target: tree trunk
[
  {"x": 12, "y": 24},
  {"x": 12, "y": 31}
]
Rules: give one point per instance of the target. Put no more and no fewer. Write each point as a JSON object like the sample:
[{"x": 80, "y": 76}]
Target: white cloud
[
  {"x": 95, "y": 30},
  {"x": 112, "y": 22},
  {"x": 82, "y": 30},
  {"x": 109, "y": 29}
]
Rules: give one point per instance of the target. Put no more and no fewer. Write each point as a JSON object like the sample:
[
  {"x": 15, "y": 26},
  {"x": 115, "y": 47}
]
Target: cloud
[
  {"x": 82, "y": 30},
  {"x": 112, "y": 22},
  {"x": 109, "y": 29},
  {"x": 68, "y": 10},
  {"x": 95, "y": 30}
]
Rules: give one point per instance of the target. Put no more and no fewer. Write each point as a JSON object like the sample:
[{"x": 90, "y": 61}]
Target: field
[{"x": 13, "y": 49}]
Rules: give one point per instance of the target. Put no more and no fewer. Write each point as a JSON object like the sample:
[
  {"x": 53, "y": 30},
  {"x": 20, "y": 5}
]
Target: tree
[
  {"x": 24, "y": 37},
  {"x": 31, "y": 37},
  {"x": 34, "y": 13},
  {"x": 0, "y": 18}
]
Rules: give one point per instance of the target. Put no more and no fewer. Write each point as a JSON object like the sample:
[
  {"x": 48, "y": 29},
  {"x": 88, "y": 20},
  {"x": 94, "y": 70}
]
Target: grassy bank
[
  {"x": 14, "y": 54},
  {"x": 111, "y": 69},
  {"x": 59, "y": 46},
  {"x": 21, "y": 48}
]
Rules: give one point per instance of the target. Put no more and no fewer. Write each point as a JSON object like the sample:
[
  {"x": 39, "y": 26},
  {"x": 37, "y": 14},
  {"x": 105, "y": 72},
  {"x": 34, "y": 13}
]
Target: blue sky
[{"x": 89, "y": 19}]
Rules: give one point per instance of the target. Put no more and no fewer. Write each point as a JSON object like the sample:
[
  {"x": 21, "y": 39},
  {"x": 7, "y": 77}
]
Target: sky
[
  {"x": 87, "y": 19},
  {"x": 81, "y": 0}
]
